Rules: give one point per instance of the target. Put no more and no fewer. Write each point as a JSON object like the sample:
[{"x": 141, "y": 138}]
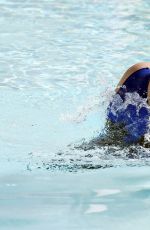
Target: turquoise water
[{"x": 59, "y": 64}]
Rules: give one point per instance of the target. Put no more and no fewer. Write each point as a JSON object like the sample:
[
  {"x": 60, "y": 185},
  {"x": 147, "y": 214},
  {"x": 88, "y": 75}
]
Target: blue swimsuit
[{"x": 129, "y": 106}]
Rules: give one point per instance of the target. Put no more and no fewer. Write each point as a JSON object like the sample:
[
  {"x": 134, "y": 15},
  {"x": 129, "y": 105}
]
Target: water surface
[{"x": 59, "y": 64}]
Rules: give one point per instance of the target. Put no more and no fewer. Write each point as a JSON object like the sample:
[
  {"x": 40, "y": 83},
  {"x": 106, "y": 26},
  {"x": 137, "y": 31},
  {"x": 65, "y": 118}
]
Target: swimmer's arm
[
  {"x": 130, "y": 71},
  {"x": 123, "y": 79}
]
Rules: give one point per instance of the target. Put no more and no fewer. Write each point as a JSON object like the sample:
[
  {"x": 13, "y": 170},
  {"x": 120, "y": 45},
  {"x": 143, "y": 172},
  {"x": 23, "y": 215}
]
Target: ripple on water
[{"x": 96, "y": 208}]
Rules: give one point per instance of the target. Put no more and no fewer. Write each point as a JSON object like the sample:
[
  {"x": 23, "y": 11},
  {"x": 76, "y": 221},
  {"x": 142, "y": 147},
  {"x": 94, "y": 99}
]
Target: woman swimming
[{"x": 129, "y": 109}]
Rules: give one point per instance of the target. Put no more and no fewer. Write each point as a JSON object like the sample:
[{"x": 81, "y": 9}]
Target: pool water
[{"x": 59, "y": 64}]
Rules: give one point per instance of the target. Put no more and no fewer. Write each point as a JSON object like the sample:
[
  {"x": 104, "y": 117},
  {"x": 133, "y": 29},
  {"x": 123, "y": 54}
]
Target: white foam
[
  {"x": 107, "y": 192},
  {"x": 96, "y": 208}
]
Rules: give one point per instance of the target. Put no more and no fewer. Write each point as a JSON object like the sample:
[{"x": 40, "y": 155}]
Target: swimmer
[{"x": 129, "y": 109}]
